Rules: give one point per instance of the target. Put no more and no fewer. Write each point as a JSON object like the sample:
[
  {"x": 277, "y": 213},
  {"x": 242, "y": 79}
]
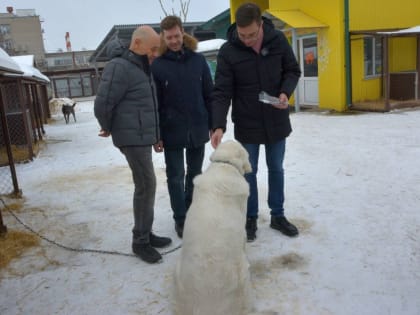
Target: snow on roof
[
  {"x": 25, "y": 64},
  {"x": 210, "y": 45},
  {"x": 411, "y": 30},
  {"x": 21, "y": 66},
  {"x": 7, "y": 64},
  {"x": 26, "y": 60}
]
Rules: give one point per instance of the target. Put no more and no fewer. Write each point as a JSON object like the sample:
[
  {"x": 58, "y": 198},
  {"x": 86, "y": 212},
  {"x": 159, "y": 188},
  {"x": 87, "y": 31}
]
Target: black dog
[{"x": 67, "y": 110}]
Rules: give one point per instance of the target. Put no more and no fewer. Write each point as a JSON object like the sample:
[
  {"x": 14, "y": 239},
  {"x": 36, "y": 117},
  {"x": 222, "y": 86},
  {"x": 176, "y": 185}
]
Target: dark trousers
[
  {"x": 139, "y": 159},
  {"x": 180, "y": 185}
]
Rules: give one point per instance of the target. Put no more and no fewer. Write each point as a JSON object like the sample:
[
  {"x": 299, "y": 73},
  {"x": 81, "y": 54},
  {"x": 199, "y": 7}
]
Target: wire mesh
[{"x": 6, "y": 183}]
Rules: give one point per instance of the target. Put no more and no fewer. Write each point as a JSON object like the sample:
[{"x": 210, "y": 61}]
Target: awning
[{"x": 296, "y": 18}]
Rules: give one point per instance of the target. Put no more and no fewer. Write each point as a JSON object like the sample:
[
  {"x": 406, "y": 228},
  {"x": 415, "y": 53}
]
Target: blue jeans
[
  {"x": 180, "y": 186},
  {"x": 274, "y": 154}
]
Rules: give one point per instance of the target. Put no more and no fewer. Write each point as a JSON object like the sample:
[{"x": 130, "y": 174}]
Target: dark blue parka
[{"x": 184, "y": 86}]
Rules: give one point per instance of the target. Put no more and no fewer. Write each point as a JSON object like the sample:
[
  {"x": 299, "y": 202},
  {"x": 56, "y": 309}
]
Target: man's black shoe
[
  {"x": 179, "y": 228},
  {"x": 280, "y": 223},
  {"x": 159, "y": 241},
  {"x": 147, "y": 253},
  {"x": 251, "y": 229}
]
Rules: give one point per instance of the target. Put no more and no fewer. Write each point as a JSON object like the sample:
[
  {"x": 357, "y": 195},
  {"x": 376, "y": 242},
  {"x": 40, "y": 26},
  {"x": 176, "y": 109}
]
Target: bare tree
[{"x": 183, "y": 10}]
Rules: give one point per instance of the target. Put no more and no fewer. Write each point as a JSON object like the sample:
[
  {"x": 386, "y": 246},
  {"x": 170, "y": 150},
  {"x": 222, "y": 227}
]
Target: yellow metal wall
[
  {"x": 402, "y": 54},
  {"x": 331, "y": 75},
  {"x": 362, "y": 89},
  {"x": 402, "y": 57},
  {"x": 383, "y": 14},
  {"x": 284, "y": 5}
]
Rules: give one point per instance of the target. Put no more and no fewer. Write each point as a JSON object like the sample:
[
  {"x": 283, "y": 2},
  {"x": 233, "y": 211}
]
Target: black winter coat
[
  {"x": 126, "y": 104},
  {"x": 241, "y": 74},
  {"x": 184, "y": 87}
]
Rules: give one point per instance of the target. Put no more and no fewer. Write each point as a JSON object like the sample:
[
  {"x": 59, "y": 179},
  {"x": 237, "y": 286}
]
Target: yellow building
[{"x": 348, "y": 50}]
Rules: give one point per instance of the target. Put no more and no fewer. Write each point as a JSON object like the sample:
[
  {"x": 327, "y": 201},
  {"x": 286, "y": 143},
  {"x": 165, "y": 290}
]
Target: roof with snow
[
  {"x": 25, "y": 60},
  {"x": 411, "y": 31},
  {"x": 7, "y": 64},
  {"x": 210, "y": 45},
  {"x": 20, "y": 66},
  {"x": 408, "y": 31},
  {"x": 25, "y": 64}
]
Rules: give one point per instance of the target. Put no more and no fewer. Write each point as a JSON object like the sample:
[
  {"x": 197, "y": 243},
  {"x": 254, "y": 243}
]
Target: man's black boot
[
  {"x": 179, "y": 228},
  {"x": 251, "y": 229},
  {"x": 159, "y": 241},
  {"x": 147, "y": 253},
  {"x": 281, "y": 224}
]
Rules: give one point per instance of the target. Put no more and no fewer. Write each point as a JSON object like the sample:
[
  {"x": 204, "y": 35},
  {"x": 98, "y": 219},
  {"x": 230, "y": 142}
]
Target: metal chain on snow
[{"x": 82, "y": 250}]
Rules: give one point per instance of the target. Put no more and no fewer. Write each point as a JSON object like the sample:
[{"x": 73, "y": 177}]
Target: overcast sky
[{"x": 88, "y": 21}]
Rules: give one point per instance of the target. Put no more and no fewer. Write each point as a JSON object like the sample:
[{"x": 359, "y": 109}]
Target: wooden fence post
[{"x": 3, "y": 228}]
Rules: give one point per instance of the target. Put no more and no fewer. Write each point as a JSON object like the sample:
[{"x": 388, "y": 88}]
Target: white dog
[{"x": 212, "y": 274}]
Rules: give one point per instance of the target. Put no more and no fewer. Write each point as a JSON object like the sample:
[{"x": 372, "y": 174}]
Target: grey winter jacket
[{"x": 126, "y": 103}]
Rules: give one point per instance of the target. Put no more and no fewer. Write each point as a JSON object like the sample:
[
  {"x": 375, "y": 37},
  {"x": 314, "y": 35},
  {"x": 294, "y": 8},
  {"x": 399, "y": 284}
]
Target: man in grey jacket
[{"x": 126, "y": 109}]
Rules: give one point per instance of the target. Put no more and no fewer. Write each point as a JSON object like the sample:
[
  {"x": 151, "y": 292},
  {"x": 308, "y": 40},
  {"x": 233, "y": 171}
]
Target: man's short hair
[
  {"x": 170, "y": 22},
  {"x": 248, "y": 13}
]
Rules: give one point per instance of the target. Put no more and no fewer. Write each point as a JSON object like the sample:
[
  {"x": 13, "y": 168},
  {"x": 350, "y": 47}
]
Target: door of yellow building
[{"x": 308, "y": 59}]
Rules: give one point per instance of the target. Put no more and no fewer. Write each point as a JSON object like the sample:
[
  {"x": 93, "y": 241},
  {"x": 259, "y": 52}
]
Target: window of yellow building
[{"x": 373, "y": 56}]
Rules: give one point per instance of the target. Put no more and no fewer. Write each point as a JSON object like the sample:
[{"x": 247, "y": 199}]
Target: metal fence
[{"x": 23, "y": 112}]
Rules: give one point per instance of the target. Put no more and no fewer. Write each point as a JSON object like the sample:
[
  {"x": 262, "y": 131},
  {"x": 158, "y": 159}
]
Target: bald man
[
  {"x": 145, "y": 41},
  {"x": 126, "y": 108}
]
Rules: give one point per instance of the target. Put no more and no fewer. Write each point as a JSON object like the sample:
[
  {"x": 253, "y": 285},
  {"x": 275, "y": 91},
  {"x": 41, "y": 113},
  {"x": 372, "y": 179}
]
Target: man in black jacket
[
  {"x": 184, "y": 87},
  {"x": 126, "y": 108},
  {"x": 257, "y": 58}
]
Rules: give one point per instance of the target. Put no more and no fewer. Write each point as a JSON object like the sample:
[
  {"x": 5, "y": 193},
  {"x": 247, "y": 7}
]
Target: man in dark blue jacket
[
  {"x": 257, "y": 58},
  {"x": 126, "y": 108},
  {"x": 184, "y": 87}
]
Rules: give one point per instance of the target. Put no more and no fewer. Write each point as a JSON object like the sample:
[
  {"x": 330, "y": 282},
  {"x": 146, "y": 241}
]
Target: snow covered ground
[{"x": 352, "y": 187}]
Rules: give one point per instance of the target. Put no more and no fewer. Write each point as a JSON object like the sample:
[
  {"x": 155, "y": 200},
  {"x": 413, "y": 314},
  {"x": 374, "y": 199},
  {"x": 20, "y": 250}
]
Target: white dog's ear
[{"x": 246, "y": 165}]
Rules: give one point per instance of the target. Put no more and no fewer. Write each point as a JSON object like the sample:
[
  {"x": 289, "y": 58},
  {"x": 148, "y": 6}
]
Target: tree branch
[
  {"x": 183, "y": 12},
  {"x": 163, "y": 8}
]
